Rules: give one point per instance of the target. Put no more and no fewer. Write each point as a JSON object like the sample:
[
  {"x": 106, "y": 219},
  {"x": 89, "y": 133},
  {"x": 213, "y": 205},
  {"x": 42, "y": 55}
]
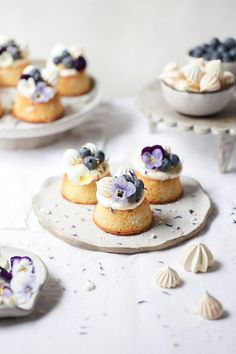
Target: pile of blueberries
[
  {"x": 216, "y": 49},
  {"x": 35, "y": 74},
  {"x": 66, "y": 59},
  {"x": 139, "y": 185},
  {"x": 91, "y": 160},
  {"x": 12, "y": 48},
  {"x": 168, "y": 161}
]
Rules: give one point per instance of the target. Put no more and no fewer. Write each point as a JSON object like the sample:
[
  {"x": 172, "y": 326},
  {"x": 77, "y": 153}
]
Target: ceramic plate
[{"x": 73, "y": 223}]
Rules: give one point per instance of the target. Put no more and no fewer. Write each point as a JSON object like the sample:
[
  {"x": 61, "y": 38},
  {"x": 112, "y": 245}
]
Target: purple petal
[
  {"x": 157, "y": 153},
  {"x": 151, "y": 148},
  {"x": 130, "y": 189},
  {"x": 5, "y": 274}
]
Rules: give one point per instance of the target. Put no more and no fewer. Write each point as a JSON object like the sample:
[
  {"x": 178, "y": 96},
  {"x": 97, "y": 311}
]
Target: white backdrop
[{"x": 127, "y": 41}]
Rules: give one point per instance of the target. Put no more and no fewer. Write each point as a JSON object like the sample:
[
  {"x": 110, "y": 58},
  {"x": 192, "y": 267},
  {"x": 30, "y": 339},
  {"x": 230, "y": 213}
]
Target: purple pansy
[
  {"x": 43, "y": 93},
  {"x": 152, "y": 156},
  {"x": 4, "y": 274},
  {"x": 21, "y": 264},
  {"x": 122, "y": 189}
]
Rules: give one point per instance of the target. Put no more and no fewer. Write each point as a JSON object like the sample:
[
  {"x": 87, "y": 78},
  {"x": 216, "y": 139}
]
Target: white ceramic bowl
[{"x": 196, "y": 103}]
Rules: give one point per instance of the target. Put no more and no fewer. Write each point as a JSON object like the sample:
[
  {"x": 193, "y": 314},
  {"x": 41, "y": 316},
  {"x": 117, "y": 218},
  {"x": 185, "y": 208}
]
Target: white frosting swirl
[
  {"x": 5, "y": 60},
  {"x": 139, "y": 166},
  {"x": 104, "y": 196},
  {"x": 26, "y": 87},
  {"x": 50, "y": 75}
]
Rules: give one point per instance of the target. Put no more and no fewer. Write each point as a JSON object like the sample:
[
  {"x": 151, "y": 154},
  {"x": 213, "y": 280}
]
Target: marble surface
[{"x": 126, "y": 312}]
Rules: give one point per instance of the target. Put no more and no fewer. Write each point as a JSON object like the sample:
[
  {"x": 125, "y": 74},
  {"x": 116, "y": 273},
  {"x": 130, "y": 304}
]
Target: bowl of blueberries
[{"x": 224, "y": 50}]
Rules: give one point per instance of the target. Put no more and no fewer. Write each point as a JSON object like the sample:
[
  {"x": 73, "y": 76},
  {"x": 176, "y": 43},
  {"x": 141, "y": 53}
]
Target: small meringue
[
  {"x": 214, "y": 68},
  {"x": 91, "y": 147},
  {"x": 192, "y": 72},
  {"x": 50, "y": 75},
  {"x": 209, "y": 307},
  {"x": 104, "y": 187},
  {"x": 197, "y": 258},
  {"x": 71, "y": 157},
  {"x": 167, "y": 277},
  {"x": 209, "y": 83},
  {"x": 227, "y": 79}
]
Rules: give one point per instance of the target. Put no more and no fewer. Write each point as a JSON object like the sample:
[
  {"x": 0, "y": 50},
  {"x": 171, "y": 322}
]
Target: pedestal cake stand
[{"x": 153, "y": 105}]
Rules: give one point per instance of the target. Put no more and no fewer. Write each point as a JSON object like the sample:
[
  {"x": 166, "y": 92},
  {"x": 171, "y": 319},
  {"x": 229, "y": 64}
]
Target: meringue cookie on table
[
  {"x": 197, "y": 258},
  {"x": 209, "y": 83},
  {"x": 167, "y": 277},
  {"x": 227, "y": 79},
  {"x": 209, "y": 307},
  {"x": 214, "y": 68}
]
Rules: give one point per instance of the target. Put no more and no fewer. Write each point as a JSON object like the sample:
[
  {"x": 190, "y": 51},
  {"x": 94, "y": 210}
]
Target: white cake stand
[
  {"x": 16, "y": 134},
  {"x": 153, "y": 105},
  {"x": 173, "y": 223}
]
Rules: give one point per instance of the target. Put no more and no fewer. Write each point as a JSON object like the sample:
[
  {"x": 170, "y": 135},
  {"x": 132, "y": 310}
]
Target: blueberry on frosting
[
  {"x": 70, "y": 58},
  {"x": 10, "y": 51}
]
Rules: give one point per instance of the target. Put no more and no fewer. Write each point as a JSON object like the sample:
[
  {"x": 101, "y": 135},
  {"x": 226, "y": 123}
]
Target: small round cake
[
  {"x": 71, "y": 65},
  {"x": 159, "y": 170},
  {"x": 1, "y": 110},
  {"x": 83, "y": 169},
  {"x": 37, "y": 100},
  {"x": 13, "y": 60},
  {"x": 122, "y": 207}
]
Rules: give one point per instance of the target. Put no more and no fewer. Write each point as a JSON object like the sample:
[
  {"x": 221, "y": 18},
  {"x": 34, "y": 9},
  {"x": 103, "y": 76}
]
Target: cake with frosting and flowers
[
  {"x": 159, "y": 170},
  {"x": 71, "y": 65},
  {"x": 122, "y": 207},
  {"x": 199, "y": 76},
  {"x": 37, "y": 99},
  {"x": 13, "y": 60},
  {"x": 83, "y": 168}
]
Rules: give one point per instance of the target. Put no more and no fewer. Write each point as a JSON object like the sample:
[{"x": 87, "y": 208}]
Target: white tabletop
[{"x": 126, "y": 312}]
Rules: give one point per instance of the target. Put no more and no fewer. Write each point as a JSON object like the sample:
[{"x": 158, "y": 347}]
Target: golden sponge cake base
[
  {"x": 75, "y": 85},
  {"x": 124, "y": 222},
  {"x": 80, "y": 194},
  {"x": 27, "y": 110},
  {"x": 162, "y": 191},
  {"x": 1, "y": 111},
  {"x": 10, "y": 76}
]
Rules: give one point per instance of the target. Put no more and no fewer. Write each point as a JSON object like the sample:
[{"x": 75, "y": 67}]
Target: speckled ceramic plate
[
  {"x": 15, "y": 133},
  {"x": 40, "y": 272},
  {"x": 173, "y": 223}
]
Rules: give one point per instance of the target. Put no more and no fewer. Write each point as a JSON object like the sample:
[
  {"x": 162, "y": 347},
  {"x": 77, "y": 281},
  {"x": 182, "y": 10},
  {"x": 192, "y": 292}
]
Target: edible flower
[
  {"x": 6, "y": 295},
  {"x": 23, "y": 286},
  {"x": 79, "y": 174},
  {"x": 122, "y": 190},
  {"x": 152, "y": 156},
  {"x": 43, "y": 93},
  {"x": 21, "y": 264}
]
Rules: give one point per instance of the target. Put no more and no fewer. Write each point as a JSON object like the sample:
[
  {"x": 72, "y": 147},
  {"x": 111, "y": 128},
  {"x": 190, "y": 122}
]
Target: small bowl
[{"x": 196, "y": 103}]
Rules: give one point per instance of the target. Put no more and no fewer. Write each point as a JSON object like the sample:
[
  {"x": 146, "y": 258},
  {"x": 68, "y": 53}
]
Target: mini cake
[
  {"x": 83, "y": 169},
  {"x": 122, "y": 208},
  {"x": 1, "y": 110},
  {"x": 13, "y": 60},
  {"x": 159, "y": 169},
  {"x": 37, "y": 100},
  {"x": 71, "y": 65}
]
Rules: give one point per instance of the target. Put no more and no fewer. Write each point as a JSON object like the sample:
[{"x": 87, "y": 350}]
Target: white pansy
[
  {"x": 79, "y": 174},
  {"x": 5, "y": 60},
  {"x": 26, "y": 87},
  {"x": 23, "y": 286},
  {"x": 6, "y": 295},
  {"x": 50, "y": 75}
]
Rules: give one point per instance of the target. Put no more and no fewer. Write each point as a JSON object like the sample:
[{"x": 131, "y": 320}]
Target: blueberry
[
  {"x": 133, "y": 198},
  {"x": 232, "y": 53},
  {"x": 165, "y": 165},
  {"x": 100, "y": 155},
  {"x": 207, "y": 57},
  {"x": 221, "y": 48},
  {"x": 11, "y": 43},
  {"x": 174, "y": 159},
  {"x": 14, "y": 51},
  {"x": 229, "y": 43},
  {"x": 84, "y": 152},
  {"x": 139, "y": 188},
  {"x": 65, "y": 53},
  {"x": 226, "y": 57},
  {"x": 214, "y": 42},
  {"x": 35, "y": 73},
  {"x": 68, "y": 62},
  {"x": 57, "y": 60},
  {"x": 216, "y": 55},
  {"x": 90, "y": 162},
  {"x": 80, "y": 63}
]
